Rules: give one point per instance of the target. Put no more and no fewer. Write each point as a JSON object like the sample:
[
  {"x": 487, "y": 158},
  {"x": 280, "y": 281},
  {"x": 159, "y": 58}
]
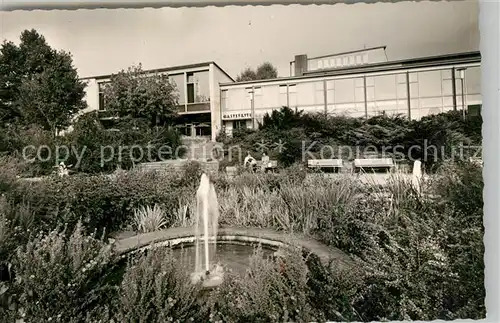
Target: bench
[
  {"x": 373, "y": 164},
  {"x": 328, "y": 165},
  {"x": 231, "y": 171},
  {"x": 272, "y": 165}
]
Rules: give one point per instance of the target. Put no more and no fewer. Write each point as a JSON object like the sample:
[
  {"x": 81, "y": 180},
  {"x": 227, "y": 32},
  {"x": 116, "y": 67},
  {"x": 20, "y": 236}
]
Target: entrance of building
[{"x": 195, "y": 125}]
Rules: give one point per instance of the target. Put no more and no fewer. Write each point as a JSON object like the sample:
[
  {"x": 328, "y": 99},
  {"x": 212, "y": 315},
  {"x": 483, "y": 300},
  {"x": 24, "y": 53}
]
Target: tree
[
  {"x": 137, "y": 95},
  {"x": 264, "y": 71},
  {"x": 247, "y": 75},
  {"x": 39, "y": 84}
]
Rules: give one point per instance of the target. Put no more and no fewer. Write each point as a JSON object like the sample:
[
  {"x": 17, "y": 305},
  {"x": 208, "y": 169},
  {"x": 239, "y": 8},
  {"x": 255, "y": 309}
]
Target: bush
[
  {"x": 62, "y": 279},
  {"x": 157, "y": 288},
  {"x": 100, "y": 202},
  {"x": 271, "y": 291},
  {"x": 446, "y": 131}
]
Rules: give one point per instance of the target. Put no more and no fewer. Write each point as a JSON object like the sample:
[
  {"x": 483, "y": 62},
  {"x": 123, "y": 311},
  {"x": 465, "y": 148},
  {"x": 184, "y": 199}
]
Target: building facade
[
  {"x": 413, "y": 88},
  {"x": 198, "y": 91},
  {"x": 360, "y": 83}
]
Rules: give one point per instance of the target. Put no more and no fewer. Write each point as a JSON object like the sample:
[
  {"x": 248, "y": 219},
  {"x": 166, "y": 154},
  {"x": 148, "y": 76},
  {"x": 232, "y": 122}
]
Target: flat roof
[
  {"x": 350, "y": 52},
  {"x": 164, "y": 69},
  {"x": 429, "y": 61}
]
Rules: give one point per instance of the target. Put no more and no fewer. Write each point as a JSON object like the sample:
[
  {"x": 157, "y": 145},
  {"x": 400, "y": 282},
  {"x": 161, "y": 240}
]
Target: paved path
[{"x": 268, "y": 236}]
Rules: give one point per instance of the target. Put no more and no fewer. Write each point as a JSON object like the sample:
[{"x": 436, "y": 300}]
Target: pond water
[{"x": 233, "y": 256}]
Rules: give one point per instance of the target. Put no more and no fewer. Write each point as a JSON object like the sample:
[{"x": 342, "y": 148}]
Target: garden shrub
[
  {"x": 156, "y": 287},
  {"x": 271, "y": 291},
  {"x": 62, "y": 279},
  {"x": 446, "y": 131}
]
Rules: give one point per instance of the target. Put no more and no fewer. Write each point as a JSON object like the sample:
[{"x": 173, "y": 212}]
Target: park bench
[
  {"x": 271, "y": 166},
  {"x": 326, "y": 165},
  {"x": 373, "y": 164}
]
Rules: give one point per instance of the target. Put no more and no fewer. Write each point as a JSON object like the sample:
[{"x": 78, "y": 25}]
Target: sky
[{"x": 104, "y": 41}]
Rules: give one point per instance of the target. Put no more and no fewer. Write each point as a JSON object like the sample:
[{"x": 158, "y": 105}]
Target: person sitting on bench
[
  {"x": 250, "y": 161},
  {"x": 265, "y": 162}
]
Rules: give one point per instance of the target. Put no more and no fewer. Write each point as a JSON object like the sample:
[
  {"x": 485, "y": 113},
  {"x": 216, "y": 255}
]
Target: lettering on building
[{"x": 237, "y": 115}]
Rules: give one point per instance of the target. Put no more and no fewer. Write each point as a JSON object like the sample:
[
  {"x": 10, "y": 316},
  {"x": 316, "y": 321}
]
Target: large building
[
  {"x": 199, "y": 92},
  {"x": 360, "y": 83}
]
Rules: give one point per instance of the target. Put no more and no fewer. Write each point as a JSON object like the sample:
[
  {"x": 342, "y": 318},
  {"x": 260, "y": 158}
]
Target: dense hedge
[
  {"x": 101, "y": 150},
  {"x": 298, "y": 131}
]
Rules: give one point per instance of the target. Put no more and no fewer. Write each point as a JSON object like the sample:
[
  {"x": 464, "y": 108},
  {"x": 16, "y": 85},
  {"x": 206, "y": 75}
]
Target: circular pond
[{"x": 235, "y": 257}]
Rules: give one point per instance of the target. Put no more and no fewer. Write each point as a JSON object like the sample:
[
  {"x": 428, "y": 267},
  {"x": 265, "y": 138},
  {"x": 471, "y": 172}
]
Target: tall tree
[
  {"x": 264, "y": 71},
  {"x": 39, "y": 85},
  {"x": 139, "y": 95},
  {"x": 247, "y": 75}
]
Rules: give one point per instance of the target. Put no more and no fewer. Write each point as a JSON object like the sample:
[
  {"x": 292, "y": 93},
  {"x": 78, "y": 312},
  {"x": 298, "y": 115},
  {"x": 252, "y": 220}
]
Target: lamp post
[{"x": 462, "y": 82}]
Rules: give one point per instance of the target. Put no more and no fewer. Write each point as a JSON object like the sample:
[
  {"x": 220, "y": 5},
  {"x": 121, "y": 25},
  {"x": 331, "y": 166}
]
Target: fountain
[
  {"x": 205, "y": 234},
  {"x": 417, "y": 175}
]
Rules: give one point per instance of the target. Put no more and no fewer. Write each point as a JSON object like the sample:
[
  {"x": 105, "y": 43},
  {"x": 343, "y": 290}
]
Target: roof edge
[
  {"x": 377, "y": 67},
  {"x": 160, "y": 70},
  {"x": 350, "y": 52}
]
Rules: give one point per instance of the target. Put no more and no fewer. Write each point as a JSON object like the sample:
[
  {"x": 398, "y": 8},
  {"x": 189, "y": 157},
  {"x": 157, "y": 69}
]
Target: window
[
  {"x": 326, "y": 63},
  {"x": 351, "y": 60},
  {"x": 359, "y": 92},
  {"x": 101, "y": 95},
  {"x": 190, "y": 87},
  {"x": 320, "y": 93},
  {"x": 320, "y": 64},
  {"x": 223, "y": 99},
  {"x": 359, "y": 60},
  {"x": 332, "y": 63},
  {"x": 101, "y": 101},
  {"x": 385, "y": 87},
  {"x": 330, "y": 91},
  {"x": 474, "y": 110},
  {"x": 283, "y": 96},
  {"x": 338, "y": 62},
  {"x": 239, "y": 124},
  {"x": 345, "y": 61},
  {"x": 365, "y": 59},
  {"x": 344, "y": 91},
  {"x": 292, "y": 95},
  {"x": 257, "y": 97},
  {"x": 429, "y": 84}
]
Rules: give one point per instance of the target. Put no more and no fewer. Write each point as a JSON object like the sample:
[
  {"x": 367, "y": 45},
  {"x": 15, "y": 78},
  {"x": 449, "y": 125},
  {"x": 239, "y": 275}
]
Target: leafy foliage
[
  {"x": 156, "y": 288},
  {"x": 149, "y": 219},
  {"x": 417, "y": 257},
  {"x": 432, "y": 139},
  {"x": 264, "y": 71},
  {"x": 40, "y": 84},
  {"x": 55, "y": 272},
  {"x": 136, "y": 94}
]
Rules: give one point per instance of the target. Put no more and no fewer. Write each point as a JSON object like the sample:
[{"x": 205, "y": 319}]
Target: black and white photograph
[{"x": 250, "y": 163}]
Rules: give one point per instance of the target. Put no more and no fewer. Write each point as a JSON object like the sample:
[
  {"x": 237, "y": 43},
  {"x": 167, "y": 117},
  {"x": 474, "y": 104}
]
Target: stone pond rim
[{"x": 268, "y": 237}]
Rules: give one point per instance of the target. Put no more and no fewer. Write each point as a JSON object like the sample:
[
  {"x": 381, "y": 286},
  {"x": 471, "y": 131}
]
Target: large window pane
[
  {"x": 271, "y": 96},
  {"x": 473, "y": 80},
  {"x": 344, "y": 91},
  {"x": 385, "y": 87},
  {"x": 359, "y": 94},
  {"x": 202, "y": 86},
  {"x": 178, "y": 81},
  {"x": 305, "y": 93},
  {"x": 223, "y": 100},
  {"x": 236, "y": 99},
  {"x": 292, "y": 96},
  {"x": 429, "y": 83}
]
